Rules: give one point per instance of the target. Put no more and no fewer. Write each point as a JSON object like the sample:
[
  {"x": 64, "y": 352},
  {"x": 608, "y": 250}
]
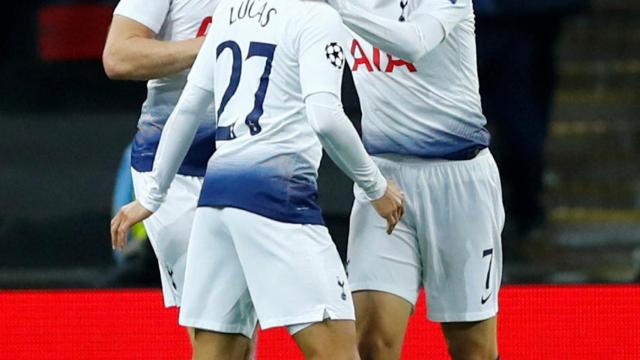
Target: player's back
[
  {"x": 267, "y": 154},
  {"x": 257, "y": 81}
]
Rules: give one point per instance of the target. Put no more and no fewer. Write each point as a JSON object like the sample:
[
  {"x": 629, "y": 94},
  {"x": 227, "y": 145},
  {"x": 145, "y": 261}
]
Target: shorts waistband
[{"x": 414, "y": 160}]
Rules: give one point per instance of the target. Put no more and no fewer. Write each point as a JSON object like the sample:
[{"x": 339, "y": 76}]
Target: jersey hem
[
  {"x": 468, "y": 153},
  {"x": 301, "y": 220},
  {"x": 409, "y": 160}
]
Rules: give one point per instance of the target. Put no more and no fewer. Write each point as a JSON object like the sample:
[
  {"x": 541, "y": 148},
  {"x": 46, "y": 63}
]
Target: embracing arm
[
  {"x": 341, "y": 141},
  {"x": 409, "y": 40},
  {"x": 132, "y": 52},
  {"x": 321, "y": 80},
  {"x": 177, "y": 136}
]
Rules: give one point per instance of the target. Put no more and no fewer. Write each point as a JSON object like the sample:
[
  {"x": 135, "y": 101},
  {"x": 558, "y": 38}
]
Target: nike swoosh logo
[{"x": 483, "y": 300}]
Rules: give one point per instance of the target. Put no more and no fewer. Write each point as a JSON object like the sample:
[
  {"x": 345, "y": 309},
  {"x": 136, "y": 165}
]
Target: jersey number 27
[{"x": 256, "y": 49}]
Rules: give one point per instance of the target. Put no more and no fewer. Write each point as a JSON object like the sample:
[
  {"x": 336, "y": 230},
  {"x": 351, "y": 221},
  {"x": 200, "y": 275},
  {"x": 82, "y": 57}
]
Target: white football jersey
[
  {"x": 263, "y": 59},
  {"x": 430, "y": 108},
  {"x": 171, "y": 20}
]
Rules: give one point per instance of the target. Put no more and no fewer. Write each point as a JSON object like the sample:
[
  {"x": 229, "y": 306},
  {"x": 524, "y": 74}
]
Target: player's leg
[
  {"x": 472, "y": 340},
  {"x": 210, "y": 345},
  {"x": 296, "y": 280},
  {"x": 462, "y": 218},
  {"x": 330, "y": 339},
  {"x": 385, "y": 273},
  {"x": 216, "y": 300},
  {"x": 382, "y": 320}
]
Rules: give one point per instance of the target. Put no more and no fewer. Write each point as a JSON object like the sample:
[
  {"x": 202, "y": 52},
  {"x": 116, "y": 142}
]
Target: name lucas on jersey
[
  {"x": 360, "y": 59},
  {"x": 249, "y": 10}
]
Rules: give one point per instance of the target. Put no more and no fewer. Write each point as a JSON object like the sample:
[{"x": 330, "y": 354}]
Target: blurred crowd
[{"x": 516, "y": 42}]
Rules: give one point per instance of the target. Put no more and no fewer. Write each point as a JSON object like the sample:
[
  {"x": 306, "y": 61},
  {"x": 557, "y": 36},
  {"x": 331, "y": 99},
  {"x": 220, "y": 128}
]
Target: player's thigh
[
  {"x": 473, "y": 340},
  {"x": 330, "y": 339},
  {"x": 377, "y": 261},
  {"x": 294, "y": 271},
  {"x": 460, "y": 240},
  {"x": 214, "y": 345},
  {"x": 216, "y": 297},
  {"x": 381, "y": 320}
]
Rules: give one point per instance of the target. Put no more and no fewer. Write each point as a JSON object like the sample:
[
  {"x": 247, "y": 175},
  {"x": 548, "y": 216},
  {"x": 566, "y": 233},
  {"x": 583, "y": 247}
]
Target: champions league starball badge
[{"x": 335, "y": 55}]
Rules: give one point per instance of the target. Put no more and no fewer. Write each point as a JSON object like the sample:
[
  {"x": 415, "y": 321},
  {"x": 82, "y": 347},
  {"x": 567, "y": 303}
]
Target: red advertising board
[{"x": 536, "y": 322}]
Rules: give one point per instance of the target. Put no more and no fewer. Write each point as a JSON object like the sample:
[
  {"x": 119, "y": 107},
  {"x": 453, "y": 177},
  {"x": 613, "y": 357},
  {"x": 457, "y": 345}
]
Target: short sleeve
[
  {"x": 448, "y": 12},
  {"x": 321, "y": 53},
  {"x": 149, "y": 13},
  {"x": 203, "y": 69}
]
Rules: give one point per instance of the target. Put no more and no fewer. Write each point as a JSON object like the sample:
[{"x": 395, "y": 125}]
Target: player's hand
[
  {"x": 390, "y": 206},
  {"x": 124, "y": 220}
]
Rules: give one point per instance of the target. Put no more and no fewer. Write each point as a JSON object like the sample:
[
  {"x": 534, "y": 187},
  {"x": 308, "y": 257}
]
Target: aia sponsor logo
[
  {"x": 376, "y": 60},
  {"x": 204, "y": 26}
]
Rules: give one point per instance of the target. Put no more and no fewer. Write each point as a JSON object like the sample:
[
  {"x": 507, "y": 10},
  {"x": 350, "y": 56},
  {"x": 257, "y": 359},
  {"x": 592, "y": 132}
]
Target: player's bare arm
[
  {"x": 132, "y": 52},
  {"x": 409, "y": 39}
]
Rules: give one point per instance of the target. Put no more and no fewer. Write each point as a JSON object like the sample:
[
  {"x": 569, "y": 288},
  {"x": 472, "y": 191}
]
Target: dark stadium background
[{"x": 64, "y": 125}]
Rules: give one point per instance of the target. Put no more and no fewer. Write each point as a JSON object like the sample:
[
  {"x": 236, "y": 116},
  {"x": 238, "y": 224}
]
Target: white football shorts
[
  {"x": 242, "y": 267},
  {"x": 448, "y": 241},
  {"x": 169, "y": 229}
]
